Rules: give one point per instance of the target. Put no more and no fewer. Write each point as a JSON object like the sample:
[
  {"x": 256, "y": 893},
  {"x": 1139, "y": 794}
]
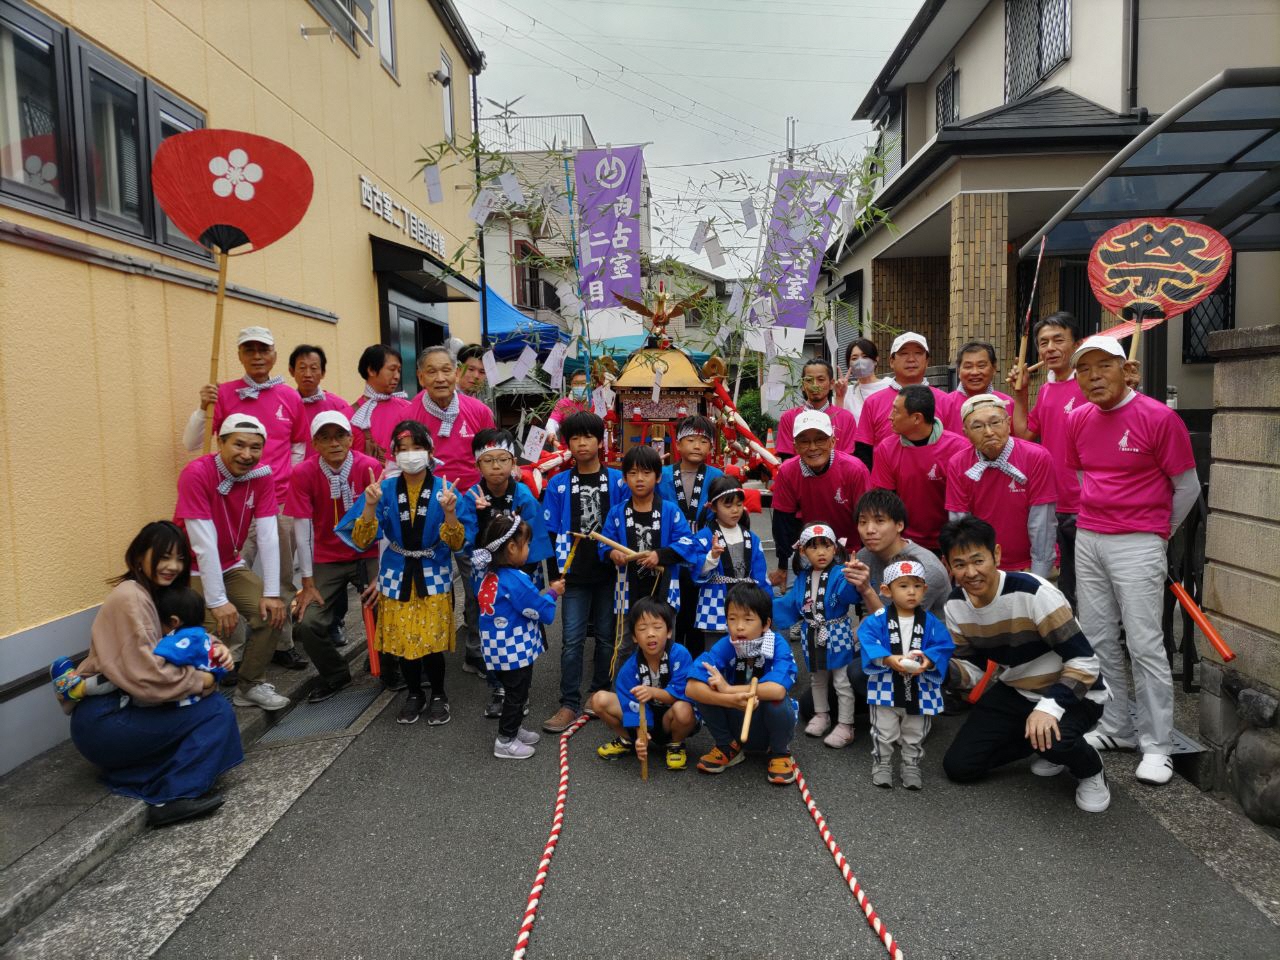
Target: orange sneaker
[
  {"x": 718, "y": 761},
  {"x": 782, "y": 770}
]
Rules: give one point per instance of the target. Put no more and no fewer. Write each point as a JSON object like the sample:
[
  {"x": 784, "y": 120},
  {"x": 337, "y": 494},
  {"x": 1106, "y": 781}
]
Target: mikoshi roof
[
  {"x": 680, "y": 373},
  {"x": 1213, "y": 158}
]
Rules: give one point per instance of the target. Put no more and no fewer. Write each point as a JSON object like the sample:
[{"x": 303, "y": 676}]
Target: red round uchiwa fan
[
  {"x": 1153, "y": 268},
  {"x": 227, "y": 188}
]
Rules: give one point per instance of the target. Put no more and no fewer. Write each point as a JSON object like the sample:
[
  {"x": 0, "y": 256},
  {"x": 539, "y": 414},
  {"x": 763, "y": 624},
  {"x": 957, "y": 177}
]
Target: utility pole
[{"x": 791, "y": 141}]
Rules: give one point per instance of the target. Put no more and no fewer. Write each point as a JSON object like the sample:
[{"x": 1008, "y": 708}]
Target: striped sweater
[{"x": 1029, "y": 631}]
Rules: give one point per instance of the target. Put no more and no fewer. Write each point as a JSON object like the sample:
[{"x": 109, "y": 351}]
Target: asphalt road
[{"x": 416, "y": 843}]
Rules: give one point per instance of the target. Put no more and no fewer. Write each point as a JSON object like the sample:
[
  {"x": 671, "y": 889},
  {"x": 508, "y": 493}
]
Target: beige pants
[
  {"x": 244, "y": 592},
  {"x": 250, "y": 553}
]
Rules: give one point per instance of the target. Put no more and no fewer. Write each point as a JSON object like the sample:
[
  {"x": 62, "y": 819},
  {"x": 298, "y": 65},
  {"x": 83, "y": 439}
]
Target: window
[
  {"x": 446, "y": 87},
  {"x": 167, "y": 117},
  {"x": 387, "y": 34},
  {"x": 341, "y": 16},
  {"x": 528, "y": 281},
  {"x": 34, "y": 156},
  {"x": 945, "y": 100},
  {"x": 889, "y": 141},
  {"x": 109, "y": 118},
  {"x": 1037, "y": 37},
  {"x": 1215, "y": 312}
]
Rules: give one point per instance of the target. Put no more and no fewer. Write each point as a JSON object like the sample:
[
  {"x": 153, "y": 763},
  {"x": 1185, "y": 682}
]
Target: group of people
[{"x": 920, "y": 528}]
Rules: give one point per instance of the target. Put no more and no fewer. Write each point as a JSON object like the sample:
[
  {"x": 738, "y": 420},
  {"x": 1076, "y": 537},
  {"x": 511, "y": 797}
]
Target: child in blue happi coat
[
  {"x": 652, "y": 680},
  {"x": 821, "y": 600},
  {"x": 733, "y": 555},
  {"x": 905, "y": 652},
  {"x": 511, "y": 612},
  {"x": 653, "y": 528},
  {"x": 499, "y": 491}
]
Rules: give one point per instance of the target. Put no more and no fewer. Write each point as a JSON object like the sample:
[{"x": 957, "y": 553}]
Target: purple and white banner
[
  {"x": 805, "y": 207},
  {"x": 608, "y": 184}
]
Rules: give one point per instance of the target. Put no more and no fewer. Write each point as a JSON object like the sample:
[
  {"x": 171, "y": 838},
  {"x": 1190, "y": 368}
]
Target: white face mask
[
  {"x": 413, "y": 461},
  {"x": 579, "y": 393},
  {"x": 862, "y": 367}
]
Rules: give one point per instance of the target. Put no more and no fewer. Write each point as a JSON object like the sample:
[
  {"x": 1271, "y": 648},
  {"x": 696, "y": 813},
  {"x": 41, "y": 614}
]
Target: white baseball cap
[
  {"x": 255, "y": 335},
  {"x": 242, "y": 423},
  {"x": 812, "y": 420},
  {"x": 1106, "y": 344},
  {"x": 981, "y": 399},
  {"x": 333, "y": 418},
  {"x": 902, "y": 339}
]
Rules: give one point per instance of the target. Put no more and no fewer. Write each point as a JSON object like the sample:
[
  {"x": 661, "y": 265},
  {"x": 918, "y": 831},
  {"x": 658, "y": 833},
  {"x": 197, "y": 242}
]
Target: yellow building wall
[{"x": 100, "y": 369}]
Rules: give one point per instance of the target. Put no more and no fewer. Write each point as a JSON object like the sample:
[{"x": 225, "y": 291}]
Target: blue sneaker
[{"x": 62, "y": 673}]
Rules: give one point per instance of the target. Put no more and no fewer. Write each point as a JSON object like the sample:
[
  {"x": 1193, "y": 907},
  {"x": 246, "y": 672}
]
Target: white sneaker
[
  {"x": 1093, "y": 795},
  {"x": 1043, "y": 768},
  {"x": 1105, "y": 741},
  {"x": 527, "y": 736},
  {"x": 512, "y": 749},
  {"x": 1154, "y": 768},
  {"x": 260, "y": 695},
  {"x": 840, "y": 736},
  {"x": 819, "y": 725}
]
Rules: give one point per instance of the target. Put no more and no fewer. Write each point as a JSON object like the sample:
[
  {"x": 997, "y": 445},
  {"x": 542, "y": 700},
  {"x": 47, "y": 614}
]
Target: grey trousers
[
  {"x": 893, "y": 725},
  {"x": 1120, "y": 579}
]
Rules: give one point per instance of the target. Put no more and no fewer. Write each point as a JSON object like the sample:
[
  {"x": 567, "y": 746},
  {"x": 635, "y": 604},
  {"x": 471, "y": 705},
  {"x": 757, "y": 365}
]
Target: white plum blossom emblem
[{"x": 236, "y": 174}]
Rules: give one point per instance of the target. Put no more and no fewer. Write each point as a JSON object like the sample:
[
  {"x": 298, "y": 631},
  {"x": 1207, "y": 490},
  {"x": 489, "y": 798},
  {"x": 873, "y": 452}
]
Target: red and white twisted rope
[
  {"x": 859, "y": 894},
  {"x": 557, "y": 824}
]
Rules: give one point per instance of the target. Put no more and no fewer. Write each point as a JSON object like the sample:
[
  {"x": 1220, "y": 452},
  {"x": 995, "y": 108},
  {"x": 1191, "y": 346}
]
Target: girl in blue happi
[
  {"x": 500, "y": 491},
  {"x": 821, "y": 600},
  {"x": 511, "y": 614},
  {"x": 733, "y": 555},
  {"x": 417, "y": 514},
  {"x": 905, "y": 653}
]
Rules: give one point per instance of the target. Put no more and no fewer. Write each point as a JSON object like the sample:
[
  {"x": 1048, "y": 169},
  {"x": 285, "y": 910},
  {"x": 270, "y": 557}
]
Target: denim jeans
[
  {"x": 585, "y": 603},
  {"x": 772, "y": 724}
]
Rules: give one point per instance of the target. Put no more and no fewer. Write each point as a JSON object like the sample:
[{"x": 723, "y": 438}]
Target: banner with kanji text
[{"x": 608, "y": 184}]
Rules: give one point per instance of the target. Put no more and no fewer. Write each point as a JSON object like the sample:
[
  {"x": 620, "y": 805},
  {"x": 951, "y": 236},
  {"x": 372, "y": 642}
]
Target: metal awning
[
  {"x": 1213, "y": 158},
  {"x": 433, "y": 280}
]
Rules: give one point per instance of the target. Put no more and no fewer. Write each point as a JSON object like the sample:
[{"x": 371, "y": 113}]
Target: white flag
[
  {"x": 431, "y": 176},
  {"x": 715, "y": 255}
]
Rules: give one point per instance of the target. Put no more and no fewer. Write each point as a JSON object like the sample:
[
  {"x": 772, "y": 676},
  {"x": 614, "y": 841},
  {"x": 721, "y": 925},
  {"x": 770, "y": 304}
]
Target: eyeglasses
[
  {"x": 497, "y": 460},
  {"x": 986, "y": 426},
  {"x": 810, "y": 442}
]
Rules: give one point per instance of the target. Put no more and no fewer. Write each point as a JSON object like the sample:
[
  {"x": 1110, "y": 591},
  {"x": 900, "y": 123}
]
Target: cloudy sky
[{"x": 709, "y": 82}]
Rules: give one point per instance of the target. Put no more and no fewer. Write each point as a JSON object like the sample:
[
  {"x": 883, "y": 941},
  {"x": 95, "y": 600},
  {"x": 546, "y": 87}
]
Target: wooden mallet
[{"x": 752, "y": 700}]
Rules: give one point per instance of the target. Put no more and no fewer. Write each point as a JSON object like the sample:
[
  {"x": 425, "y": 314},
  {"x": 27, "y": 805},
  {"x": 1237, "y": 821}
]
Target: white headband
[
  {"x": 693, "y": 430},
  {"x": 501, "y": 446},
  {"x": 813, "y": 531},
  {"x": 732, "y": 491},
  {"x": 903, "y": 568},
  {"x": 482, "y": 557}
]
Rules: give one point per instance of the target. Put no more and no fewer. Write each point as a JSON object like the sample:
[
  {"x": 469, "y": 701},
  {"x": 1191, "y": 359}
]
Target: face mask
[
  {"x": 579, "y": 393},
  {"x": 413, "y": 461},
  {"x": 862, "y": 367}
]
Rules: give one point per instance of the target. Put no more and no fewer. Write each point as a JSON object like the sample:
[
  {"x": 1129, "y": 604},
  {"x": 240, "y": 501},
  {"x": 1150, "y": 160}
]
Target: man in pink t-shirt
[
  {"x": 817, "y": 381},
  {"x": 819, "y": 484},
  {"x": 279, "y": 408},
  {"x": 382, "y": 405},
  {"x": 1138, "y": 482},
  {"x": 908, "y": 359},
  {"x": 913, "y": 463},
  {"x": 220, "y": 497},
  {"x": 975, "y": 369},
  {"x": 1006, "y": 482},
  {"x": 308, "y": 365},
  {"x": 1056, "y": 338}
]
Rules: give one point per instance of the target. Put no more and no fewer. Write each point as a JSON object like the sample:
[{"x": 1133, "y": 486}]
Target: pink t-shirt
[
  {"x": 232, "y": 513},
  {"x": 381, "y": 423},
  {"x": 1048, "y": 419},
  {"x": 1001, "y": 500},
  {"x": 828, "y": 497},
  {"x": 874, "y": 426},
  {"x": 919, "y": 476},
  {"x": 280, "y": 410},
  {"x": 566, "y": 407},
  {"x": 454, "y": 451},
  {"x": 309, "y": 498},
  {"x": 844, "y": 422},
  {"x": 950, "y": 416},
  {"x": 1129, "y": 455},
  {"x": 330, "y": 401}
]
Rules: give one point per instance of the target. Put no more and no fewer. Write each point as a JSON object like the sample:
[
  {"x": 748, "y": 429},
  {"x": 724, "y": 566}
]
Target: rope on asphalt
[
  {"x": 557, "y": 824},
  {"x": 873, "y": 920}
]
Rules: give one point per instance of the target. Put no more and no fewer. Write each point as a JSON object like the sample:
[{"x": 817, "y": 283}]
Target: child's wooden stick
[
  {"x": 643, "y": 737},
  {"x": 631, "y": 554},
  {"x": 746, "y": 716}
]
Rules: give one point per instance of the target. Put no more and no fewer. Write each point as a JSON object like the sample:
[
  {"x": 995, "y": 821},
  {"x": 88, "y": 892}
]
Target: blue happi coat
[
  {"x": 937, "y": 645},
  {"x": 709, "y": 614},
  {"x": 837, "y": 607},
  {"x": 511, "y": 608},
  {"x": 557, "y": 509},
  {"x": 667, "y": 488},
  {"x": 524, "y": 504},
  {"x": 679, "y": 660},
  {"x": 777, "y": 664},
  {"x": 674, "y": 532},
  {"x": 437, "y": 565}
]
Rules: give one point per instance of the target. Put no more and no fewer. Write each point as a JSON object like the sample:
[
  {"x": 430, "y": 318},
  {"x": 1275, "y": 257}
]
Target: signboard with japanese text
[
  {"x": 609, "y": 184},
  {"x": 381, "y": 204}
]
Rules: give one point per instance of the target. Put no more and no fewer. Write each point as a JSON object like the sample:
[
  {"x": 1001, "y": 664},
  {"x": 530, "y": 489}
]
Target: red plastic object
[
  {"x": 1210, "y": 632},
  {"x": 371, "y": 631}
]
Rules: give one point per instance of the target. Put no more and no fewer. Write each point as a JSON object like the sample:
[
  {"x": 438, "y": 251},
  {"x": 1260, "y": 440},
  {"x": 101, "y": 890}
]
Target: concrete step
[{"x": 58, "y": 822}]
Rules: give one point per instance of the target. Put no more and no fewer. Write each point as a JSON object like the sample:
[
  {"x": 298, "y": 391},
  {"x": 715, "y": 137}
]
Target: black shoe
[
  {"x": 231, "y": 678},
  {"x": 412, "y": 709},
  {"x": 326, "y": 690},
  {"x": 175, "y": 811},
  {"x": 393, "y": 680},
  {"x": 290, "y": 658},
  {"x": 475, "y": 665},
  {"x": 494, "y": 710},
  {"x": 438, "y": 712}
]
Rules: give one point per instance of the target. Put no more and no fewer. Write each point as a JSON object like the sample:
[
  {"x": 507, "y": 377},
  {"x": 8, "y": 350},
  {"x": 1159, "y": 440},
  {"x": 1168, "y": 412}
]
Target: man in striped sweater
[{"x": 1047, "y": 691}]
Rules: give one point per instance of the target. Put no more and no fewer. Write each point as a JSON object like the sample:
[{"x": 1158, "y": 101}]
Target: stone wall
[
  {"x": 910, "y": 293},
  {"x": 1241, "y": 593}
]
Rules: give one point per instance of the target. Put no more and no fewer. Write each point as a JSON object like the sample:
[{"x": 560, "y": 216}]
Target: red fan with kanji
[
  {"x": 226, "y": 190},
  {"x": 1153, "y": 268}
]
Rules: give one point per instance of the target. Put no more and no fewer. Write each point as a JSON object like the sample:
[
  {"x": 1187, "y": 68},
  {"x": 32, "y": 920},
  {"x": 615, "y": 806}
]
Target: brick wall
[
  {"x": 980, "y": 292},
  {"x": 910, "y": 294}
]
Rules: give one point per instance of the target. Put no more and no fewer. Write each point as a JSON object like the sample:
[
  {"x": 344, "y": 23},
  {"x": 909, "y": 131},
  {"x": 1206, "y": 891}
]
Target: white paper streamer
[
  {"x": 511, "y": 187},
  {"x": 524, "y": 363},
  {"x": 699, "y": 237},
  {"x": 533, "y": 444},
  {"x": 491, "y": 371},
  {"x": 715, "y": 255},
  {"x": 554, "y": 364},
  {"x": 749, "y": 221},
  {"x": 658, "y": 370},
  {"x": 431, "y": 176}
]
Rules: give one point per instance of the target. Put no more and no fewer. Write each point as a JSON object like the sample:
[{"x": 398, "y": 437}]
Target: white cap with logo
[
  {"x": 255, "y": 335},
  {"x": 812, "y": 420},
  {"x": 902, "y": 339},
  {"x": 334, "y": 418},
  {"x": 1108, "y": 345},
  {"x": 242, "y": 423}
]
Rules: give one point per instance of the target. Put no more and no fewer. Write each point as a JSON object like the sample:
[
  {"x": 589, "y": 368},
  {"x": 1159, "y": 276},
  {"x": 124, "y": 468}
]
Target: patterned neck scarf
[
  {"x": 339, "y": 488},
  {"x": 315, "y": 397},
  {"x": 689, "y": 505},
  {"x": 445, "y": 415},
  {"x": 647, "y": 677},
  {"x": 229, "y": 479},
  {"x": 1000, "y": 463},
  {"x": 252, "y": 388},
  {"x": 750, "y": 657},
  {"x": 364, "y": 414},
  {"x": 826, "y": 405},
  {"x": 807, "y": 471},
  {"x": 903, "y": 647}
]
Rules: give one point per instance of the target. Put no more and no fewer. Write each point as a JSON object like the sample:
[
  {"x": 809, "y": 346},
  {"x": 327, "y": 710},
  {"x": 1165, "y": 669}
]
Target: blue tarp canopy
[{"x": 509, "y": 330}]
